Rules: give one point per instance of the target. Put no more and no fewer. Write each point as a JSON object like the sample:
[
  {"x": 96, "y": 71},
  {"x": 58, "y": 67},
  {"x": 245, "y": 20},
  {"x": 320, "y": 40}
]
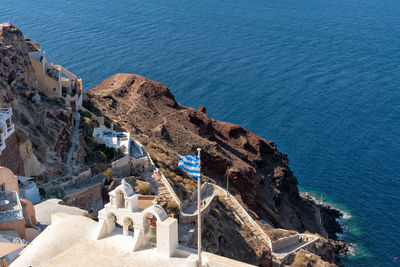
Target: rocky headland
[{"x": 257, "y": 171}]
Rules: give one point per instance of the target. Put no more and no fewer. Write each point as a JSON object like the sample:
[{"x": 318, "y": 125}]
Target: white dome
[{"x": 125, "y": 188}]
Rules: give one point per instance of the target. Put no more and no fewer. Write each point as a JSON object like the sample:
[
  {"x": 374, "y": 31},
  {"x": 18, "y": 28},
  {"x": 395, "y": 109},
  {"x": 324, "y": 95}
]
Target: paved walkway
[
  {"x": 243, "y": 215},
  {"x": 207, "y": 196},
  {"x": 247, "y": 220},
  {"x": 157, "y": 185},
  {"x": 72, "y": 149},
  {"x": 289, "y": 249},
  {"x": 297, "y": 242}
]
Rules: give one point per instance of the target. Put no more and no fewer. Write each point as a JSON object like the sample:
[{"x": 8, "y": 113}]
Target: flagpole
[{"x": 198, "y": 211}]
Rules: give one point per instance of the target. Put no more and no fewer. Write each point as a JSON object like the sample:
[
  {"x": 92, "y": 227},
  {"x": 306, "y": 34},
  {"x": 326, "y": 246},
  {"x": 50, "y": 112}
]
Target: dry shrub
[
  {"x": 172, "y": 207},
  {"x": 144, "y": 188}
]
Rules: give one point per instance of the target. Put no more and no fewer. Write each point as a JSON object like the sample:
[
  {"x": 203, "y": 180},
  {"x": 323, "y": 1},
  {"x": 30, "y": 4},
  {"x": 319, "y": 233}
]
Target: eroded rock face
[
  {"x": 43, "y": 126},
  {"x": 257, "y": 171},
  {"x": 32, "y": 166}
]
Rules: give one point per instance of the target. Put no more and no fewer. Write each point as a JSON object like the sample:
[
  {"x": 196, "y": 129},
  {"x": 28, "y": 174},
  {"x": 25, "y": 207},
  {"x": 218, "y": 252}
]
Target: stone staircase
[
  {"x": 206, "y": 196},
  {"x": 247, "y": 220},
  {"x": 158, "y": 186},
  {"x": 189, "y": 209},
  {"x": 243, "y": 215}
]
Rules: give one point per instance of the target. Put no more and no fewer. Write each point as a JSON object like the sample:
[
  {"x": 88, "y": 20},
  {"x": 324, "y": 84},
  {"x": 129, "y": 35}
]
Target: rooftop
[{"x": 79, "y": 249}]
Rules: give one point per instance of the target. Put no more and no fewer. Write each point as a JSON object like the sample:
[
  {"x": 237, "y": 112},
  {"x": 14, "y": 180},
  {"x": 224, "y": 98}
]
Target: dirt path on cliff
[{"x": 72, "y": 149}]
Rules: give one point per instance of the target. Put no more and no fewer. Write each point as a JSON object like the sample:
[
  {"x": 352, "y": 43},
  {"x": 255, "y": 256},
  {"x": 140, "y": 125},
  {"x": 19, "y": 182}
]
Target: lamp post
[{"x": 198, "y": 211}]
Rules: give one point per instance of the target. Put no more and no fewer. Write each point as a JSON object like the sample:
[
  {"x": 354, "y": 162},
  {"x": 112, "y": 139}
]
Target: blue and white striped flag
[{"x": 191, "y": 164}]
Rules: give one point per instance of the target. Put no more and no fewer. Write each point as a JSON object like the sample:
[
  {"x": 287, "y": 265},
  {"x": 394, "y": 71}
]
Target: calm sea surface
[{"x": 319, "y": 77}]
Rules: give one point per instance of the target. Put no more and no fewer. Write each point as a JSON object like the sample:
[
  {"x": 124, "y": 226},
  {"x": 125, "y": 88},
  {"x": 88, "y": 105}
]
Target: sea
[{"x": 321, "y": 78}]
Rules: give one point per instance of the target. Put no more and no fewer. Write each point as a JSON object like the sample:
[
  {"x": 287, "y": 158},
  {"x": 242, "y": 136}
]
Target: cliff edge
[{"x": 258, "y": 173}]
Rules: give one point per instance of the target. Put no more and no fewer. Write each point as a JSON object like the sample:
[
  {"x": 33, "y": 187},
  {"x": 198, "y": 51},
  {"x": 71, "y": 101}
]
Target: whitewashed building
[
  {"x": 7, "y": 127},
  {"x": 112, "y": 139}
]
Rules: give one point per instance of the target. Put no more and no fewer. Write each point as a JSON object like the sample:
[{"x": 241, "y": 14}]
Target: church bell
[{"x": 152, "y": 234}]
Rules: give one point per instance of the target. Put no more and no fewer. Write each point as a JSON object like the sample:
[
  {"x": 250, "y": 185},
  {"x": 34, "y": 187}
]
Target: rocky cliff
[
  {"x": 258, "y": 173},
  {"x": 43, "y": 125},
  {"x": 256, "y": 170}
]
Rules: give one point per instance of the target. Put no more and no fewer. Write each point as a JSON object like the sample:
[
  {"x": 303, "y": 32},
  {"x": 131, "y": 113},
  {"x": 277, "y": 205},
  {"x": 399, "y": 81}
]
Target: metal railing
[
  {"x": 5, "y": 113},
  {"x": 2, "y": 142},
  {"x": 11, "y": 215},
  {"x": 10, "y": 130}
]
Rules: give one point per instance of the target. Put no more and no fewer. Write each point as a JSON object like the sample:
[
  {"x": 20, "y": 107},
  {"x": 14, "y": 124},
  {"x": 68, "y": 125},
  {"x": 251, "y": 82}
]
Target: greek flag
[{"x": 191, "y": 164}]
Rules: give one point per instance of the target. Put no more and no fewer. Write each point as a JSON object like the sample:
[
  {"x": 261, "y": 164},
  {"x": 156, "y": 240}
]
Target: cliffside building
[
  {"x": 112, "y": 139},
  {"x": 10, "y": 155},
  {"x": 134, "y": 160},
  {"x": 17, "y": 217},
  {"x": 55, "y": 81},
  {"x": 7, "y": 127}
]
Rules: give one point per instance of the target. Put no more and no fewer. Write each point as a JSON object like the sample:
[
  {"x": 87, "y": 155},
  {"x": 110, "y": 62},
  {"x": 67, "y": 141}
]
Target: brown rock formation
[
  {"x": 257, "y": 171},
  {"x": 11, "y": 158},
  {"x": 202, "y": 109}
]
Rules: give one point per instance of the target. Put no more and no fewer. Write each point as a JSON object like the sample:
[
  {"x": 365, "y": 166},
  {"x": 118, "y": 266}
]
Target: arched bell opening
[
  {"x": 112, "y": 222},
  {"x": 128, "y": 228},
  {"x": 150, "y": 228},
  {"x": 112, "y": 218},
  {"x": 120, "y": 200}
]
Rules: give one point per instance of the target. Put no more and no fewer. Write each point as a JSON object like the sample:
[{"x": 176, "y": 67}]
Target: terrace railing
[
  {"x": 14, "y": 214},
  {"x": 5, "y": 113},
  {"x": 10, "y": 130},
  {"x": 2, "y": 142}
]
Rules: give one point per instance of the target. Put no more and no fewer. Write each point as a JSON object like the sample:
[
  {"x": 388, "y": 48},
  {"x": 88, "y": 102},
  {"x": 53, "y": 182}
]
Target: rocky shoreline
[{"x": 330, "y": 219}]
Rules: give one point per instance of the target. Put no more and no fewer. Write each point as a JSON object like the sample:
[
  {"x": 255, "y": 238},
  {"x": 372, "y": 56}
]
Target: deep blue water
[{"x": 319, "y": 77}]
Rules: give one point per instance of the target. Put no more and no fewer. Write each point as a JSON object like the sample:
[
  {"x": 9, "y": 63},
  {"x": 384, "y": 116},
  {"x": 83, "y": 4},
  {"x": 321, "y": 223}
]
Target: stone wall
[
  {"x": 193, "y": 196},
  {"x": 11, "y": 157},
  {"x": 100, "y": 120},
  {"x": 86, "y": 199},
  {"x": 44, "y": 83},
  {"x": 76, "y": 181},
  {"x": 139, "y": 165},
  {"x": 285, "y": 242},
  {"x": 18, "y": 226},
  {"x": 204, "y": 213}
]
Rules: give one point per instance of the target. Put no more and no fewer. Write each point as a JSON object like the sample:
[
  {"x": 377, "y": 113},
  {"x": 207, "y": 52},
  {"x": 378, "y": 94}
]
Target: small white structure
[
  {"x": 113, "y": 139},
  {"x": 28, "y": 189},
  {"x": 124, "y": 210},
  {"x": 7, "y": 127}
]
